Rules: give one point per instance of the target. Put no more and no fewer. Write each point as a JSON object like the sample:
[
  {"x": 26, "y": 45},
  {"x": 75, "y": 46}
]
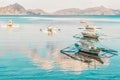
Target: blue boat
[{"x": 87, "y": 46}]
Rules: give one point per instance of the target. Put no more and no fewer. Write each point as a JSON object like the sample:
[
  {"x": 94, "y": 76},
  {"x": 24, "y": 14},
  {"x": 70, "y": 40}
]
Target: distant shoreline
[
  {"x": 53, "y": 15},
  {"x": 17, "y": 9}
]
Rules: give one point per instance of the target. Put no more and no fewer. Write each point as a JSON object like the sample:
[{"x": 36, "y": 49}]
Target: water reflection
[{"x": 52, "y": 59}]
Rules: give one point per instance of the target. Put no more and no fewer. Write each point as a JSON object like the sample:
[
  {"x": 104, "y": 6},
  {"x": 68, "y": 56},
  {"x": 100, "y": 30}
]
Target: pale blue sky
[{"x": 53, "y": 5}]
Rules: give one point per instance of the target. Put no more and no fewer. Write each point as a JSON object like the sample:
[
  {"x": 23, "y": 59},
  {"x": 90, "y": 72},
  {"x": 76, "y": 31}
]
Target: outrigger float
[{"x": 87, "y": 47}]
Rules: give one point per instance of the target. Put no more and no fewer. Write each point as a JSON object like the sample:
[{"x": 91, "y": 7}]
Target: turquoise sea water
[{"x": 28, "y": 53}]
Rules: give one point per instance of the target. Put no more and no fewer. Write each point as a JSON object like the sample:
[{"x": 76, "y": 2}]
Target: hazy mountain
[
  {"x": 36, "y": 11},
  {"x": 101, "y": 10},
  {"x": 71, "y": 11},
  {"x": 13, "y": 9},
  {"x": 117, "y": 12},
  {"x": 17, "y": 9}
]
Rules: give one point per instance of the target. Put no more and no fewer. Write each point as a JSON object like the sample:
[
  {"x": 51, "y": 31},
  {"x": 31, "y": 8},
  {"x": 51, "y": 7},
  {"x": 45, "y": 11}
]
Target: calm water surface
[{"x": 28, "y": 53}]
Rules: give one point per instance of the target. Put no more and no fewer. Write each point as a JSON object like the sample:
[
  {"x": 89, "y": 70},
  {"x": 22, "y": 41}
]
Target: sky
[{"x": 54, "y": 5}]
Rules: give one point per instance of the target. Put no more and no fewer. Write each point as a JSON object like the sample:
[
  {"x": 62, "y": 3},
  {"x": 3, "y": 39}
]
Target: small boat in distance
[
  {"x": 10, "y": 24},
  {"x": 83, "y": 21},
  {"x": 90, "y": 32},
  {"x": 50, "y": 30},
  {"x": 90, "y": 35}
]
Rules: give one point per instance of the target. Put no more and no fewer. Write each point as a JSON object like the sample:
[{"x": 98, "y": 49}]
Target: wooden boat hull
[
  {"x": 92, "y": 53},
  {"x": 94, "y": 37},
  {"x": 90, "y": 36},
  {"x": 95, "y": 57},
  {"x": 81, "y": 56}
]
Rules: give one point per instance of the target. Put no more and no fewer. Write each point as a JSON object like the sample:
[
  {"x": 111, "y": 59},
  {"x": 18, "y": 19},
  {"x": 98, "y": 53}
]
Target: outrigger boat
[
  {"x": 50, "y": 30},
  {"x": 83, "y": 21},
  {"x": 90, "y": 32},
  {"x": 10, "y": 25},
  {"x": 87, "y": 46},
  {"x": 77, "y": 53}
]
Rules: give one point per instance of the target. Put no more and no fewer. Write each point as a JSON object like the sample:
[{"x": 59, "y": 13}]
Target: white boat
[
  {"x": 90, "y": 31},
  {"x": 50, "y": 30},
  {"x": 10, "y": 25},
  {"x": 83, "y": 21}
]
